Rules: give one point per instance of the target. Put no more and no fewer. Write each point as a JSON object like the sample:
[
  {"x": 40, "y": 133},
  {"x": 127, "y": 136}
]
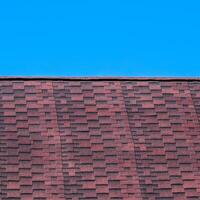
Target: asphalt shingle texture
[{"x": 99, "y": 139}]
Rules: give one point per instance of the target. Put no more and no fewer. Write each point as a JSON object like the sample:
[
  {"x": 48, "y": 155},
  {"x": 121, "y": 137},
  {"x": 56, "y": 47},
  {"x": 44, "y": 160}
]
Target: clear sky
[{"x": 100, "y": 37}]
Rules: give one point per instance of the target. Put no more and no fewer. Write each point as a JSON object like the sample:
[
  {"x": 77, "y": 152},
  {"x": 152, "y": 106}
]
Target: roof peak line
[{"x": 99, "y": 78}]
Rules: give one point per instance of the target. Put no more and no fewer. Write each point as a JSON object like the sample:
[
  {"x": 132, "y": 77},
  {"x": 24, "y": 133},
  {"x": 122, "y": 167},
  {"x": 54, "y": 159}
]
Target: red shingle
[{"x": 92, "y": 138}]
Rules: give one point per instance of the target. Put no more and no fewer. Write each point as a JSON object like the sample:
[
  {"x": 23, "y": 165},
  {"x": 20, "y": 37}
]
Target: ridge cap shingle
[{"x": 99, "y": 78}]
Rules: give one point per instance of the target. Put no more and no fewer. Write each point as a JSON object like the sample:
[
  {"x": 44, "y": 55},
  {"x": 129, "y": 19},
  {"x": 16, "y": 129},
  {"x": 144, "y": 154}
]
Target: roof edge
[{"x": 99, "y": 78}]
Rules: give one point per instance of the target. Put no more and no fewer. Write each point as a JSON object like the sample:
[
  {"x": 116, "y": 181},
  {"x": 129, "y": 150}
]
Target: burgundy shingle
[{"x": 92, "y": 138}]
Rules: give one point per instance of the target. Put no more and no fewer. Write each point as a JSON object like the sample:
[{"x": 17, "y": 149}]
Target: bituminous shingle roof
[{"x": 99, "y": 138}]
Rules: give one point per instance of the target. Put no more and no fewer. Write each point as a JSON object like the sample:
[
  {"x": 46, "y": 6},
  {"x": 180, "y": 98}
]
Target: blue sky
[{"x": 100, "y": 37}]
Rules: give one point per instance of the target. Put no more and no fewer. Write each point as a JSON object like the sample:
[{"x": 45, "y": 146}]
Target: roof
[{"x": 99, "y": 138}]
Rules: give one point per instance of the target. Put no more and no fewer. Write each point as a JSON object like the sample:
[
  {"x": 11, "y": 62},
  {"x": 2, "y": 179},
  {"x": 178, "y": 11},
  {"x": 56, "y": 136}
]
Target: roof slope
[{"x": 99, "y": 139}]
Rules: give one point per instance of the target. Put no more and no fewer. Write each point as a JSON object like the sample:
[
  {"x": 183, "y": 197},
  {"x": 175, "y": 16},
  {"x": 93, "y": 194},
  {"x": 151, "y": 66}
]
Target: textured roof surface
[{"x": 84, "y": 139}]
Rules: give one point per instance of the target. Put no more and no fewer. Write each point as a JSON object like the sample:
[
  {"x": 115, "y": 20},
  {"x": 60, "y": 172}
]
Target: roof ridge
[{"x": 99, "y": 78}]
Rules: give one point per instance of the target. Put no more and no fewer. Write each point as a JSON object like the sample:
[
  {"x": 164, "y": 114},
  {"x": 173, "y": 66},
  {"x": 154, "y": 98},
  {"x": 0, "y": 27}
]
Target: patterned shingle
[{"x": 111, "y": 138}]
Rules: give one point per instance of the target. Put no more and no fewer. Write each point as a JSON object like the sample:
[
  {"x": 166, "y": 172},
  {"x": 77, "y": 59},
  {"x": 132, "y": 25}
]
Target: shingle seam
[
  {"x": 68, "y": 160},
  {"x": 123, "y": 88},
  {"x": 51, "y": 136},
  {"x": 139, "y": 195},
  {"x": 46, "y": 172},
  {"x": 59, "y": 165}
]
